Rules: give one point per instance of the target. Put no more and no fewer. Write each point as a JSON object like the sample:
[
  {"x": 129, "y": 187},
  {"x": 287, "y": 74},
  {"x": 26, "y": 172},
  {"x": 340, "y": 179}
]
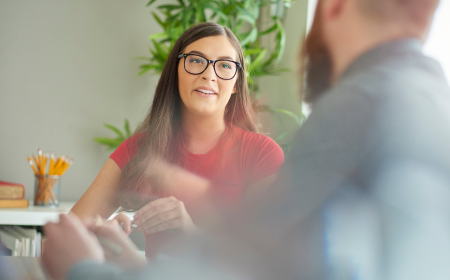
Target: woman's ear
[{"x": 234, "y": 89}]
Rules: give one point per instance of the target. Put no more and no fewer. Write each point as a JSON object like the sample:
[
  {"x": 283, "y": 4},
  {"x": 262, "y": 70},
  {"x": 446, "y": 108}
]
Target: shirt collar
[{"x": 381, "y": 53}]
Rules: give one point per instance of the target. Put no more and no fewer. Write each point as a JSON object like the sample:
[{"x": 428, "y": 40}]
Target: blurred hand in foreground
[
  {"x": 123, "y": 221},
  {"x": 164, "y": 214},
  {"x": 129, "y": 258},
  {"x": 68, "y": 242}
]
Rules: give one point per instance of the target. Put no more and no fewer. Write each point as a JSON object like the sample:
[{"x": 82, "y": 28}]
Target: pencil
[
  {"x": 52, "y": 164},
  {"x": 37, "y": 164},
  {"x": 46, "y": 156},
  {"x": 58, "y": 165},
  {"x": 30, "y": 161},
  {"x": 41, "y": 161},
  {"x": 66, "y": 166}
]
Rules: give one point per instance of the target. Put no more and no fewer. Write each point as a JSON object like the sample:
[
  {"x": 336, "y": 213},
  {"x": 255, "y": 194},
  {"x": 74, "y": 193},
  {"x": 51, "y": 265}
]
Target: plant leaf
[
  {"x": 255, "y": 63},
  {"x": 269, "y": 30},
  {"x": 127, "y": 129},
  {"x": 280, "y": 137},
  {"x": 115, "y": 129},
  {"x": 147, "y": 67},
  {"x": 251, "y": 37},
  {"x": 252, "y": 51},
  {"x": 281, "y": 41},
  {"x": 169, "y": 7},
  {"x": 161, "y": 52},
  {"x": 158, "y": 20},
  {"x": 108, "y": 141},
  {"x": 290, "y": 114},
  {"x": 158, "y": 36},
  {"x": 150, "y": 2},
  {"x": 245, "y": 15}
]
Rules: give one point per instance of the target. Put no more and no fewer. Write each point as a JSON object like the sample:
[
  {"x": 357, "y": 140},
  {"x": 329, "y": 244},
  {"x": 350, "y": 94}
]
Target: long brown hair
[{"x": 160, "y": 132}]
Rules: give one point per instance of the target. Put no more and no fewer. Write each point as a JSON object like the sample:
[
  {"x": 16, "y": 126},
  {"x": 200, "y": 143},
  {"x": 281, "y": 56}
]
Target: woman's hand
[
  {"x": 123, "y": 221},
  {"x": 163, "y": 214}
]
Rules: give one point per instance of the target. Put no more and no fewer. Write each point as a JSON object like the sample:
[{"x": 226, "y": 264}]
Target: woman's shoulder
[
  {"x": 127, "y": 149},
  {"x": 253, "y": 138},
  {"x": 257, "y": 142},
  {"x": 261, "y": 155},
  {"x": 136, "y": 138}
]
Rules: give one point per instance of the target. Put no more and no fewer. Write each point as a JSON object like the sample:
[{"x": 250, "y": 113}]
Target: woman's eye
[
  {"x": 195, "y": 60},
  {"x": 225, "y": 65}
]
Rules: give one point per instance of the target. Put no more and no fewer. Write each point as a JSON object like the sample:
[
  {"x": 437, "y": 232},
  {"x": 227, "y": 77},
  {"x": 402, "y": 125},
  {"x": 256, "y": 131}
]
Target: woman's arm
[{"x": 102, "y": 197}]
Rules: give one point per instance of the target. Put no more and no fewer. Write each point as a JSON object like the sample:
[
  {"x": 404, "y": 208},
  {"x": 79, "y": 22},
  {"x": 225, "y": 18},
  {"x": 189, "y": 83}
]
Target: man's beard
[{"x": 316, "y": 62}]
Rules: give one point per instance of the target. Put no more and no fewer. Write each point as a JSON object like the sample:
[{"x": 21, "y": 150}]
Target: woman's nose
[{"x": 209, "y": 74}]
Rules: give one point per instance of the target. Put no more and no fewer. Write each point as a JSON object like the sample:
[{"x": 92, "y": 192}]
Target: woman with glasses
[{"x": 201, "y": 120}]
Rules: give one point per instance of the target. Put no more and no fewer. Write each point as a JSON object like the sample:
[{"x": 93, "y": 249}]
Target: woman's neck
[{"x": 203, "y": 133}]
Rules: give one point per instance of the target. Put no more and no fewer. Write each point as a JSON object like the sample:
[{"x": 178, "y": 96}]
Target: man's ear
[{"x": 331, "y": 9}]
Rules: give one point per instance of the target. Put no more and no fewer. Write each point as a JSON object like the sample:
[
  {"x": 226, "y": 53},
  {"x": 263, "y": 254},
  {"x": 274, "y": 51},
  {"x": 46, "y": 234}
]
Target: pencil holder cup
[{"x": 46, "y": 190}]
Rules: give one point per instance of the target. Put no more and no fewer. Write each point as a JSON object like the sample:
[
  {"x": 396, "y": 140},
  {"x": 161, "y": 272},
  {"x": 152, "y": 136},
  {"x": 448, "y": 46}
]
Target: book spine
[
  {"x": 12, "y": 191},
  {"x": 13, "y": 203}
]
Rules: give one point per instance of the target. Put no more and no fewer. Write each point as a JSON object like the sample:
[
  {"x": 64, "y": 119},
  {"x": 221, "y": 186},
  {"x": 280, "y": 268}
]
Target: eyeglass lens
[{"x": 195, "y": 64}]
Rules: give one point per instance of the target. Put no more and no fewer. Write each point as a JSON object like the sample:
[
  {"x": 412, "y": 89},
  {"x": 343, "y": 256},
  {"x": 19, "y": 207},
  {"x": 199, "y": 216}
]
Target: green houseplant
[
  {"x": 113, "y": 143},
  {"x": 244, "y": 18}
]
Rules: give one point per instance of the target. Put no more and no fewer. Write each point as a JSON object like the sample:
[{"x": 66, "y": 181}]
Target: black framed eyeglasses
[{"x": 196, "y": 64}]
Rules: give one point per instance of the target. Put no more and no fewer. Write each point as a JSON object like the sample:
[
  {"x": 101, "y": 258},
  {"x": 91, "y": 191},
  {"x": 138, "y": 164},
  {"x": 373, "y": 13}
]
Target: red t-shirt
[{"x": 239, "y": 159}]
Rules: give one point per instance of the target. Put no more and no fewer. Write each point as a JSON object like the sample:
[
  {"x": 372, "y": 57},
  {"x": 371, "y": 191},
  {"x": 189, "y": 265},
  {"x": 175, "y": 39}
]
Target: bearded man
[{"x": 365, "y": 191}]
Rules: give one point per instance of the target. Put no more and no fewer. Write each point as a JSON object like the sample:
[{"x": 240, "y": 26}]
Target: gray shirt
[{"x": 381, "y": 135}]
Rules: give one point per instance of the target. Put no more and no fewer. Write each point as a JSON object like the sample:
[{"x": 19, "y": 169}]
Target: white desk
[
  {"x": 33, "y": 215},
  {"x": 36, "y": 215}
]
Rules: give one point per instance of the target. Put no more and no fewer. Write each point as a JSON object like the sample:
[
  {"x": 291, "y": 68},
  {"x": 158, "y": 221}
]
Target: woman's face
[{"x": 206, "y": 94}]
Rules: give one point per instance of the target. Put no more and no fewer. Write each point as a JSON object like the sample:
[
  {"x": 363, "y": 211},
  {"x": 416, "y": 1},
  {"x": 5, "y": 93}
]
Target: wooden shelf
[{"x": 37, "y": 215}]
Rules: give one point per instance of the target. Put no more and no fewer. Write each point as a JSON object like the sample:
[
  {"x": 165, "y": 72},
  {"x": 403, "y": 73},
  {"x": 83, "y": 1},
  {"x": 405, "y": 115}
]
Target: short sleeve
[
  {"x": 264, "y": 156},
  {"x": 127, "y": 150}
]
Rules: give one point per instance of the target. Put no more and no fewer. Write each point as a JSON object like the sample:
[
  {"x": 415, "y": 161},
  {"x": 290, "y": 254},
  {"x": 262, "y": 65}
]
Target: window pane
[{"x": 438, "y": 44}]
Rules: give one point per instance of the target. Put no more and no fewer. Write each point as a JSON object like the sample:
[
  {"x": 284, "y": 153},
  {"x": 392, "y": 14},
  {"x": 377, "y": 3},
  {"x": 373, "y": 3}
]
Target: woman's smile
[{"x": 205, "y": 92}]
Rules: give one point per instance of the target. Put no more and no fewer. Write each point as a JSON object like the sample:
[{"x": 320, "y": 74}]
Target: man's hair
[{"x": 417, "y": 13}]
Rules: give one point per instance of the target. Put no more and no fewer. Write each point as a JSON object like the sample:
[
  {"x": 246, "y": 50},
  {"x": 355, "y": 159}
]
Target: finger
[
  {"x": 155, "y": 209},
  {"x": 124, "y": 221},
  {"x": 71, "y": 220},
  {"x": 161, "y": 218},
  {"x": 89, "y": 222},
  {"x": 155, "y": 203},
  {"x": 111, "y": 256},
  {"x": 114, "y": 233},
  {"x": 172, "y": 224},
  {"x": 49, "y": 229}
]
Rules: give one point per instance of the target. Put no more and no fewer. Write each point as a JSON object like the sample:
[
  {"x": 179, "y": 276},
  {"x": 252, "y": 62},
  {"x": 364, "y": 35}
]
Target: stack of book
[
  {"x": 12, "y": 195},
  {"x": 20, "y": 241}
]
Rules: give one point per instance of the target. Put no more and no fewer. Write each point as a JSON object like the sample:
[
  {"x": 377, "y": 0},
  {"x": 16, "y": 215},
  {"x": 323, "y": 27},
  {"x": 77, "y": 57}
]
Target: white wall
[
  {"x": 283, "y": 90},
  {"x": 66, "y": 67},
  {"x": 438, "y": 44}
]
